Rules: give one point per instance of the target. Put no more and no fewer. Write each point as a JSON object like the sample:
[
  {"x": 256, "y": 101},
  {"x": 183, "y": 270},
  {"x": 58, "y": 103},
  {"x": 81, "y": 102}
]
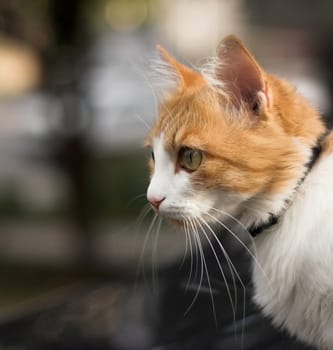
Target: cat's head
[{"x": 231, "y": 141}]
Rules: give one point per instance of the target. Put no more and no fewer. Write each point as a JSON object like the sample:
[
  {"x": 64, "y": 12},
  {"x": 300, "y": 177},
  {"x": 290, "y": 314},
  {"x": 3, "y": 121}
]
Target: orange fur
[
  {"x": 189, "y": 78},
  {"x": 244, "y": 151}
]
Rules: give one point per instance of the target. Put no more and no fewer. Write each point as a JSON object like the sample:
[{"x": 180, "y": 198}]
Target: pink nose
[{"x": 156, "y": 202}]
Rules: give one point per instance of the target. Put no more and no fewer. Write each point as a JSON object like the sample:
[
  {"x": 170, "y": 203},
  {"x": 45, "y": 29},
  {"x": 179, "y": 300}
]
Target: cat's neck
[
  {"x": 298, "y": 118},
  {"x": 306, "y": 128},
  {"x": 263, "y": 223}
]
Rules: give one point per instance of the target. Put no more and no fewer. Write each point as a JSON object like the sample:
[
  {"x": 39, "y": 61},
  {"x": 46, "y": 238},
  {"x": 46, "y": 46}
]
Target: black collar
[{"x": 273, "y": 219}]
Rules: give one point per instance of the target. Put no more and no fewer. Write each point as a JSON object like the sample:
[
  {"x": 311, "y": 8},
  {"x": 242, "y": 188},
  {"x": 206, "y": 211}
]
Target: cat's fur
[{"x": 255, "y": 133}]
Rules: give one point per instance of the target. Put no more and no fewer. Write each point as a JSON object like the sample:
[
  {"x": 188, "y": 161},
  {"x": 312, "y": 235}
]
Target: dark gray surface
[{"x": 126, "y": 315}]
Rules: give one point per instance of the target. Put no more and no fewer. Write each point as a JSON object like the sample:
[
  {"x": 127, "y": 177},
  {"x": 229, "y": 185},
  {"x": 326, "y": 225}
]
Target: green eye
[{"x": 189, "y": 159}]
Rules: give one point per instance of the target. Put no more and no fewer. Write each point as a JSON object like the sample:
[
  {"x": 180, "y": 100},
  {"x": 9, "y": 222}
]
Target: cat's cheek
[{"x": 228, "y": 203}]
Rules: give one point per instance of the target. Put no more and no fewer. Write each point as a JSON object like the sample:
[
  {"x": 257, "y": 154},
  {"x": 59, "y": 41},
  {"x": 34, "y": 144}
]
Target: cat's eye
[
  {"x": 153, "y": 156},
  {"x": 189, "y": 159}
]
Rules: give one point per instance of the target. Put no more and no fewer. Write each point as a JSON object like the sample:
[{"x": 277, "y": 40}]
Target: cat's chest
[
  {"x": 301, "y": 244},
  {"x": 293, "y": 275}
]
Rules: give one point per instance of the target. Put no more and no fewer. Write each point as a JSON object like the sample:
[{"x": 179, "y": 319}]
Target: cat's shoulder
[{"x": 327, "y": 145}]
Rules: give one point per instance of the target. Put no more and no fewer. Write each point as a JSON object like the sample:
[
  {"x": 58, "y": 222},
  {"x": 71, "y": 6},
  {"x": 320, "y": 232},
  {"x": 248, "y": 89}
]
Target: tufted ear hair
[
  {"x": 241, "y": 75},
  {"x": 188, "y": 78}
]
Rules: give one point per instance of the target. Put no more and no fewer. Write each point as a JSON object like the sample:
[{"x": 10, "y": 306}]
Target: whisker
[
  {"x": 191, "y": 259},
  {"x": 241, "y": 225},
  {"x": 138, "y": 224},
  {"x": 236, "y": 220},
  {"x": 144, "y": 122},
  {"x": 242, "y": 244},
  {"x": 189, "y": 244},
  {"x": 206, "y": 269},
  {"x": 155, "y": 256},
  {"x": 136, "y": 198},
  {"x": 141, "y": 265},
  {"x": 219, "y": 265},
  {"x": 146, "y": 209},
  {"x": 190, "y": 248},
  {"x": 233, "y": 271},
  {"x": 186, "y": 245},
  {"x": 197, "y": 253},
  {"x": 221, "y": 269},
  {"x": 198, "y": 245}
]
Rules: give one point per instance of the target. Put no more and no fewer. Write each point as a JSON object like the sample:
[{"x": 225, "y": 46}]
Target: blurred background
[{"x": 76, "y": 102}]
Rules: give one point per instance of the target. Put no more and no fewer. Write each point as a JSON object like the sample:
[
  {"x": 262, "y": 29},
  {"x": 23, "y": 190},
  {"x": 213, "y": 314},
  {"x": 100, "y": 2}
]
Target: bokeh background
[{"x": 76, "y": 101}]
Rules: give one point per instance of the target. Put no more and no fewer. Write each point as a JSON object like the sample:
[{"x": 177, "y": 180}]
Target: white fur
[
  {"x": 208, "y": 71},
  {"x": 163, "y": 76},
  {"x": 182, "y": 198},
  {"x": 297, "y": 257},
  {"x": 175, "y": 186}
]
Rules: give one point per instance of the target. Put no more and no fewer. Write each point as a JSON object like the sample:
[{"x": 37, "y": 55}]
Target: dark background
[{"x": 76, "y": 101}]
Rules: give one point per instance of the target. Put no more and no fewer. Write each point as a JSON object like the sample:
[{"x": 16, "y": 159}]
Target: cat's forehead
[
  {"x": 177, "y": 132},
  {"x": 184, "y": 120}
]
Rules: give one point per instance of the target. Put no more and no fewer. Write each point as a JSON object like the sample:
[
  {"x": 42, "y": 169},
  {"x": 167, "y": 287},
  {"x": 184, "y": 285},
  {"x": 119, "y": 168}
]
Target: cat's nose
[{"x": 156, "y": 202}]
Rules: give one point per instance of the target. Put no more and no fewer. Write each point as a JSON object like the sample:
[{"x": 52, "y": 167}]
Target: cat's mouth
[
  {"x": 176, "y": 222},
  {"x": 174, "y": 217},
  {"x": 181, "y": 218}
]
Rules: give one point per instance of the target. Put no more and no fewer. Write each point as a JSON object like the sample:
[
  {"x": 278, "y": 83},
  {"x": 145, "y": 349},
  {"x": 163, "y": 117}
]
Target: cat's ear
[
  {"x": 241, "y": 76},
  {"x": 187, "y": 77}
]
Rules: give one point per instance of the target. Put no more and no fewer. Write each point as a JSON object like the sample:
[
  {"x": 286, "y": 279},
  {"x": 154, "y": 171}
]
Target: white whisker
[
  {"x": 190, "y": 248},
  {"x": 207, "y": 273},
  {"x": 146, "y": 209},
  {"x": 155, "y": 256},
  {"x": 242, "y": 244},
  {"x": 144, "y": 122},
  {"x": 191, "y": 261},
  {"x": 141, "y": 265},
  {"x": 197, "y": 254},
  {"x": 233, "y": 271},
  {"x": 137, "y": 197},
  {"x": 198, "y": 245},
  {"x": 186, "y": 245},
  {"x": 232, "y": 302}
]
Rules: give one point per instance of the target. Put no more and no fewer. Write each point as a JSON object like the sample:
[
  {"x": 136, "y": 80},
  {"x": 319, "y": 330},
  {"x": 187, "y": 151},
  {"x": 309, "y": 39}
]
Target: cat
[{"x": 234, "y": 143}]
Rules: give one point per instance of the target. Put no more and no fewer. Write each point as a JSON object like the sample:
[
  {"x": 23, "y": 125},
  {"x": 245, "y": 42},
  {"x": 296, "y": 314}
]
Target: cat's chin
[
  {"x": 176, "y": 222},
  {"x": 182, "y": 222},
  {"x": 173, "y": 219},
  {"x": 174, "y": 214}
]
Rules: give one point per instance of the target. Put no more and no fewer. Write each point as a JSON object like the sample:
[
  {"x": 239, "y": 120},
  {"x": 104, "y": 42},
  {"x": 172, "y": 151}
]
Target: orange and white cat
[{"x": 235, "y": 141}]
